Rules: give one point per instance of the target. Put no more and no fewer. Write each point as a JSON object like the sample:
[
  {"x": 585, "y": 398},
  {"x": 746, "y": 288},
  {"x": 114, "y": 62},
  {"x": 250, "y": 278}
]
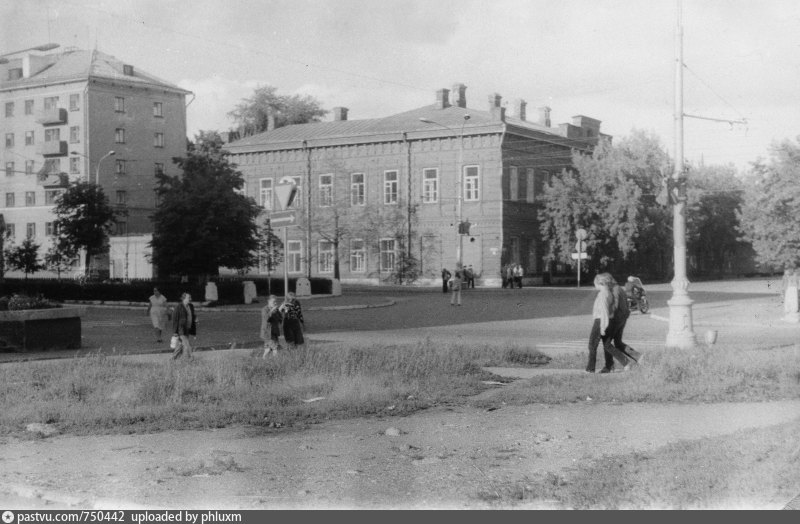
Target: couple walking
[
  {"x": 288, "y": 316},
  {"x": 610, "y": 313}
]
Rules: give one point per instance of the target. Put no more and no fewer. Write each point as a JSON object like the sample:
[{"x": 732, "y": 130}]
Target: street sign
[
  {"x": 583, "y": 256},
  {"x": 581, "y": 234},
  {"x": 282, "y": 218},
  {"x": 285, "y": 192},
  {"x": 579, "y": 246}
]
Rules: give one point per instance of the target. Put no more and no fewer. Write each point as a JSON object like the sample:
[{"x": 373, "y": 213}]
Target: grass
[{"x": 750, "y": 469}]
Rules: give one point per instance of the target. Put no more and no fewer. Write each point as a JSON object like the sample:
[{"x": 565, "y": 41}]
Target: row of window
[
  {"x": 391, "y": 188},
  {"x": 53, "y": 165},
  {"x": 50, "y": 196},
  {"x": 50, "y": 135},
  {"x": 52, "y": 102},
  {"x": 325, "y": 256},
  {"x": 50, "y": 229}
]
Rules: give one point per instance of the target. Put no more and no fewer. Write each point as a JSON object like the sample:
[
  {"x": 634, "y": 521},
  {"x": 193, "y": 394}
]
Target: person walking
[
  {"x": 271, "y": 320},
  {"x": 158, "y": 311},
  {"x": 620, "y": 315},
  {"x": 510, "y": 276},
  {"x": 445, "y": 278},
  {"x": 504, "y": 275},
  {"x": 181, "y": 326},
  {"x": 602, "y": 311},
  {"x": 456, "y": 283},
  {"x": 470, "y": 277},
  {"x": 293, "y": 322},
  {"x": 518, "y": 272}
]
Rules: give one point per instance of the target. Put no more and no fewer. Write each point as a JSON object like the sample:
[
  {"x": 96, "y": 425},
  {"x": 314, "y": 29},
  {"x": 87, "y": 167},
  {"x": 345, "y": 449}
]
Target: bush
[{"x": 18, "y": 302}]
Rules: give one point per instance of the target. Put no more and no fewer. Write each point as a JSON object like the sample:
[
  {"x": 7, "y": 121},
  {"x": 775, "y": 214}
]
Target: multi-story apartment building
[
  {"x": 75, "y": 114},
  {"x": 372, "y": 192}
]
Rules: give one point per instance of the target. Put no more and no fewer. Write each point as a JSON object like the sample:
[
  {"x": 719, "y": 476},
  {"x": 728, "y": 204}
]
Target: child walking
[{"x": 271, "y": 319}]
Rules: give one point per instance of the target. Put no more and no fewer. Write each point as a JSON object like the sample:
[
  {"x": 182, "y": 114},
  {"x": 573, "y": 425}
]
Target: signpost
[
  {"x": 581, "y": 254},
  {"x": 285, "y": 191}
]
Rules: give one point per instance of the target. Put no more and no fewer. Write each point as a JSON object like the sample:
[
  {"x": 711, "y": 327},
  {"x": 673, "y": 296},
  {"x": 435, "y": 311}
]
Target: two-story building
[
  {"x": 385, "y": 197},
  {"x": 76, "y": 114}
]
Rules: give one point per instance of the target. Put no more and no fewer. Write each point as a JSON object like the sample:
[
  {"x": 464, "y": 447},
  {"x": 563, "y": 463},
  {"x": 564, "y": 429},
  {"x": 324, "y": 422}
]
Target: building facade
[
  {"x": 397, "y": 199},
  {"x": 83, "y": 115}
]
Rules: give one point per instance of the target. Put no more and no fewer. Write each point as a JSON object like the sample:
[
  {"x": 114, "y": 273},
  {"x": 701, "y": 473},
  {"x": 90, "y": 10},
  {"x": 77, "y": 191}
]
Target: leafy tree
[
  {"x": 84, "y": 218},
  {"x": 25, "y": 257},
  {"x": 254, "y": 115},
  {"x": 202, "y": 221},
  {"x": 769, "y": 214},
  {"x": 611, "y": 194},
  {"x": 60, "y": 255}
]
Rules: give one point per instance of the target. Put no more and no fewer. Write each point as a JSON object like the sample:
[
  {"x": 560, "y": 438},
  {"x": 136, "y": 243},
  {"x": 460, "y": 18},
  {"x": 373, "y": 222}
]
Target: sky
[{"x": 613, "y": 60}]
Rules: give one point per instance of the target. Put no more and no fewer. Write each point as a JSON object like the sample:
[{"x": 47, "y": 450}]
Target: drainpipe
[
  {"x": 409, "y": 210},
  {"x": 308, "y": 208}
]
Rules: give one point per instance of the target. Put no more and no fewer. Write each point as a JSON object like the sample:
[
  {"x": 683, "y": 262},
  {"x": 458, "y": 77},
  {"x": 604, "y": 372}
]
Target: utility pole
[{"x": 681, "y": 333}]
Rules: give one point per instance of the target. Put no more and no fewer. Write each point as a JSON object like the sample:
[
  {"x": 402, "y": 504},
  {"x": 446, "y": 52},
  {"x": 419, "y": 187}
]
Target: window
[
  {"x": 158, "y": 110},
  {"x": 325, "y": 190},
  {"x": 159, "y": 168},
  {"x": 51, "y": 102},
  {"x": 357, "y": 189},
  {"x": 52, "y": 135},
  {"x": 471, "y": 183},
  {"x": 9, "y": 199},
  {"x": 546, "y": 177},
  {"x": 158, "y": 140},
  {"x": 430, "y": 186},
  {"x": 75, "y": 165},
  {"x": 119, "y": 135},
  {"x": 530, "y": 195},
  {"x": 51, "y": 195},
  {"x": 387, "y": 254},
  {"x": 390, "y": 187},
  {"x": 75, "y": 135},
  {"x": 28, "y": 107},
  {"x": 358, "y": 256},
  {"x": 15, "y": 73},
  {"x": 30, "y": 198},
  {"x": 29, "y": 167},
  {"x": 298, "y": 197},
  {"x": 325, "y": 256},
  {"x": 9, "y": 168},
  {"x": 294, "y": 256},
  {"x": 74, "y": 102},
  {"x": 29, "y": 140},
  {"x": 50, "y": 229},
  {"x": 30, "y": 230},
  {"x": 9, "y": 139},
  {"x": 265, "y": 193},
  {"x": 122, "y": 197},
  {"x": 11, "y": 230},
  {"x": 513, "y": 183},
  {"x": 9, "y": 109},
  {"x": 119, "y": 167},
  {"x": 119, "y": 104}
]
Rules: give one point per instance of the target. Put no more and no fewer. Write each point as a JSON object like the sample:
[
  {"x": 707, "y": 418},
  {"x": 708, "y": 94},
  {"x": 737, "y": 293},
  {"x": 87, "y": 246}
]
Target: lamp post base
[{"x": 681, "y": 334}]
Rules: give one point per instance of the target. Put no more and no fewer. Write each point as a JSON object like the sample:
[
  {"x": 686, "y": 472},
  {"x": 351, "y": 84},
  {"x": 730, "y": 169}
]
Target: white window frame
[
  {"x": 358, "y": 256},
  {"x": 50, "y": 102},
  {"x": 30, "y": 138},
  {"x": 430, "y": 185},
  {"x": 158, "y": 140},
  {"x": 29, "y": 165},
  {"x": 122, "y": 197},
  {"x": 9, "y": 140},
  {"x": 391, "y": 185},
  {"x": 30, "y": 198},
  {"x": 10, "y": 199},
  {"x": 513, "y": 183},
  {"x": 52, "y": 135},
  {"x": 388, "y": 249},
  {"x": 119, "y": 104},
  {"x": 9, "y": 168},
  {"x": 326, "y": 190},
  {"x": 530, "y": 189},
  {"x": 358, "y": 190},
  {"x": 75, "y": 102},
  {"x": 325, "y": 256},
  {"x": 74, "y": 165},
  {"x": 120, "y": 167},
  {"x": 28, "y": 107},
  {"x": 265, "y": 193},
  {"x": 294, "y": 256},
  {"x": 30, "y": 230},
  {"x": 472, "y": 182},
  {"x": 11, "y": 231},
  {"x": 119, "y": 135},
  {"x": 158, "y": 109}
]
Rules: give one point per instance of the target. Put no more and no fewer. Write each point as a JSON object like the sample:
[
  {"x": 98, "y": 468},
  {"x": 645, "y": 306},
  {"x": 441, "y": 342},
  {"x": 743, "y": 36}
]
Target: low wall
[{"x": 41, "y": 329}]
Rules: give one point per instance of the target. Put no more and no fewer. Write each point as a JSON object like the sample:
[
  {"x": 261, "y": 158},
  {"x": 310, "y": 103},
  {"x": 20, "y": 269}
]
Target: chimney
[
  {"x": 519, "y": 107},
  {"x": 494, "y": 101},
  {"x": 459, "y": 95},
  {"x": 498, "y": 112},
  {"x": 339, "y": 114},
  {"x": 442, "y": 98},
  {"x": 544, "y": 116}
]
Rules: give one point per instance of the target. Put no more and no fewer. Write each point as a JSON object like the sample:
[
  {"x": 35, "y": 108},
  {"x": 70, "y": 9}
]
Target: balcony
[
  {"x": 53, "y": 148},
  {"x": 53, "y": 116}
]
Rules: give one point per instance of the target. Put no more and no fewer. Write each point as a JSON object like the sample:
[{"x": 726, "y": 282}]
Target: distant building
[
  {"x": 375, "y": 191},
  {"x": 63, "y": 112}
]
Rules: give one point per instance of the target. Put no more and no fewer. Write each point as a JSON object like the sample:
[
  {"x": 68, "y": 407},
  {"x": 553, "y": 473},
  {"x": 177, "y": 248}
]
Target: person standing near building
[
  {"x": 518, "y": 272},
  {"x": 158, "y": 312},
  {"x": 455, "y": 286},
  {"x": 271, "y": 320},
  {"x": 445, "y": 278},
  {"x": 181, "y": 324},
  {"x": 293, "y": 322}
]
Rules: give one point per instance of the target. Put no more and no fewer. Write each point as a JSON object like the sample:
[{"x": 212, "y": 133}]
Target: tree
[
  {"x": 84, "y": 218},
  {"x": 202, "y": 220},
  {"x": 611, "y": 194},
  {"x": 25, "y": 257},
  {"x": 60, "y": 255},
  {"x": 266, "y": 109},
  {"x": 769, "y": 215}
]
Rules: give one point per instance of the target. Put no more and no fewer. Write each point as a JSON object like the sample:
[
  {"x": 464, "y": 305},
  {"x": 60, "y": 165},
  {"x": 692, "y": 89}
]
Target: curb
[{"x": 223, "y": 309}]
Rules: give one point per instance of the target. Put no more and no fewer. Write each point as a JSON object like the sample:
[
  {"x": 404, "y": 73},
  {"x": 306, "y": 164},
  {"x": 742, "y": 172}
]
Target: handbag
[{"x": 174, "y": 341}]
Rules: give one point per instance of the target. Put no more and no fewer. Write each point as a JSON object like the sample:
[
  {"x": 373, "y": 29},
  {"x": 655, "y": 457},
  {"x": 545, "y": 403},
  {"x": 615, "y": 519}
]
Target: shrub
[{"x": 18, "y": 302}]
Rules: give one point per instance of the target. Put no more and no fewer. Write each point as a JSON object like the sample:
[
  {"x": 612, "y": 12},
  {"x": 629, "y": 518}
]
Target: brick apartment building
[
  {"x": 373, "y": 191},
  {"x": 61, "y": 114}
]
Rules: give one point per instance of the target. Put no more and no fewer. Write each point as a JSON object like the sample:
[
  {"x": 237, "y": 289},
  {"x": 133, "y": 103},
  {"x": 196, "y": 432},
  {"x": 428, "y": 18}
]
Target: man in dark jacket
[
  {"x": 621, "y": 312},
  {"x": 183, "y": 322}
]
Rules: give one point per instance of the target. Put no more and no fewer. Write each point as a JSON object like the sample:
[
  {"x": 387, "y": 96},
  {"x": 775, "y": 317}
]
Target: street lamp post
[
  {"x": 459, "y": 188},
  {"x": 97, "y": 169}
]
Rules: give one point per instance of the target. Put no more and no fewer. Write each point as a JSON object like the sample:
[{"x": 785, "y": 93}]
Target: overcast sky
[{"x": 612, "y": 60}]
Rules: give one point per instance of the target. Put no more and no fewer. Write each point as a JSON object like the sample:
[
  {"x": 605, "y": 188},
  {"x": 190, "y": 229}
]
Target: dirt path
[{"x": 441, "y": 458}]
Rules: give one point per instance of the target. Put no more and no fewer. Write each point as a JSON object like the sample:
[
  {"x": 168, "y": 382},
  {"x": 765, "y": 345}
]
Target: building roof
[{"x": 76, "y": 65}]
